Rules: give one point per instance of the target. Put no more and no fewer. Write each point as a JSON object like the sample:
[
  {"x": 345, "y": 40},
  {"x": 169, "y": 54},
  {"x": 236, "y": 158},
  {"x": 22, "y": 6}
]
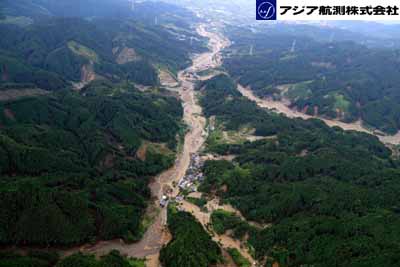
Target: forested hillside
[
  {"x": 79, "y": 141},
  {"x": 330, "y": 196},
  {"x": 50, "y": 259},
  {"x": 69, "y": 164},
  {"x": 336, "y": 79},
  {"x": 142, "y": 10},
  {"x": 130, "y": 46},
  {"x": 191, "y": 246}
]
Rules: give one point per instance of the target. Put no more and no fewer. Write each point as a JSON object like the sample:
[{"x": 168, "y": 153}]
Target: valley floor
[{"x": 157, "y": 234}]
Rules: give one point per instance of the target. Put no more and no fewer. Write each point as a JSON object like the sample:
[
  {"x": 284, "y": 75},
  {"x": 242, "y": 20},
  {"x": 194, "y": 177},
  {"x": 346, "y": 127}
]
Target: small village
[{"x": 189, "y": 183}]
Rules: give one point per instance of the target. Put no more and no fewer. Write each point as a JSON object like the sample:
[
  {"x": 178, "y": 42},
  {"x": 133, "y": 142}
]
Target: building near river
[
  {"x": 193, "y": 174},
  {"x": 164, "y": 201}
]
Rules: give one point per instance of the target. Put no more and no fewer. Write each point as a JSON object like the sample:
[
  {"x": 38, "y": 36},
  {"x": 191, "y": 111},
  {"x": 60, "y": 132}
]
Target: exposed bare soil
[
  {"x": 167, "y": 79},
  {"x": 282, "y": 107},
  {"x": 157, "y": 234},
  {"x": 87, "y": 75},
  {"x": 204, "y": 218},
  {"x": 142, "y": 152},
  {"x": 126, "y": 55}
]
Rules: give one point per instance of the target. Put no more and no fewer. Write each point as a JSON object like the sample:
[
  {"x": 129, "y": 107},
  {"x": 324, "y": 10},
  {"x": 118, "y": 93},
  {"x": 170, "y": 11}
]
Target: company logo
[{"x": 266, "y": 10}]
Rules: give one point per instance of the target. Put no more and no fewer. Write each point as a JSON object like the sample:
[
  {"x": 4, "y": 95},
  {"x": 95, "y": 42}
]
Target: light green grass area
[
  {"x": 224, "y": 212},
  {"x": 210, "y": 71},
  {"x": 288, "y": 56},
  {"x": 238, "y": 258},
  {"x": 200, "y": 202},
  {"x": 215, "y": 137},
  {"x": 220, "y": 136},
  {"x": 19, "y": 21},
  {"x": 137, "y": 263},
  {"x": 205, "y": 72},
  {"x": 83, "y": 51},
  {"x": 299, "y": 91},
  {"x": 222, "y": 220},
  {"x": 148, "y": 220},
  {"x": 169, "y": 70},
  {"x": 160, "y": 148},
  {"x": 341, "y": 102},
  {"x": 160, "y": 102}
]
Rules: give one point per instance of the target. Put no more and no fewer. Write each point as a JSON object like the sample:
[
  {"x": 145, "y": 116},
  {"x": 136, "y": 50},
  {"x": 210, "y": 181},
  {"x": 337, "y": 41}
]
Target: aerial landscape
[{"x": 183, "y": 133}]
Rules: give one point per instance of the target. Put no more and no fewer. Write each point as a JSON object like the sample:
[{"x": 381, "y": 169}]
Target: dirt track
[
  {"x": 194, "y": 141},
  {"x": 204, "y": 218},
  {"x": 281, "y": 107},
  {"x": 218, "y": 42},
  {"x": 205, "y": 61}
]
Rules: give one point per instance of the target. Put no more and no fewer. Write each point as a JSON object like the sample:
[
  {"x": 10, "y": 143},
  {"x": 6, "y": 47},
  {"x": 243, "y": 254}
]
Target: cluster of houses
[
  {"x": 193, "y": 175},
  {"x": 190, "y": 181}
]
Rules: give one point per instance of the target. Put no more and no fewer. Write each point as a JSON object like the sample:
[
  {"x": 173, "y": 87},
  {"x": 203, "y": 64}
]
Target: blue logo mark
[{"x": 266, "y": 10}]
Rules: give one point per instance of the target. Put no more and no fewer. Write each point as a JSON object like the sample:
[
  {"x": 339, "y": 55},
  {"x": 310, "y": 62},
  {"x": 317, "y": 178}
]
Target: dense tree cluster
[
  {"x": 222, "y": 221},
  {"x": 342, "y": 80},
  {"x": 331, "y": 195},
  {"x": 75, "y": 165},
  {"x": 50, "y": 259},
  {"x": 68, "y": 164},
  {"x": 191, "y": 246},
  {"x": 143, "y": 11},
  {"x": 33, "y": 57},
  {"x": 238, "y": 258},
  {"x": 117, "y": 47}
]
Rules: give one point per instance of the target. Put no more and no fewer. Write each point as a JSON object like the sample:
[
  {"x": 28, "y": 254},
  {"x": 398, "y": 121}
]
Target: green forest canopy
[
  {"x": 69, "y": 170},
  {"x": 69, "y": 167},
  {"x": 119, "y": 45},
  {"x": 50, "y": 259},
  {"x": 331, "y": 195},
  {"x": 191, "y": 246},
  {"x": 342, "y": 80}
]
